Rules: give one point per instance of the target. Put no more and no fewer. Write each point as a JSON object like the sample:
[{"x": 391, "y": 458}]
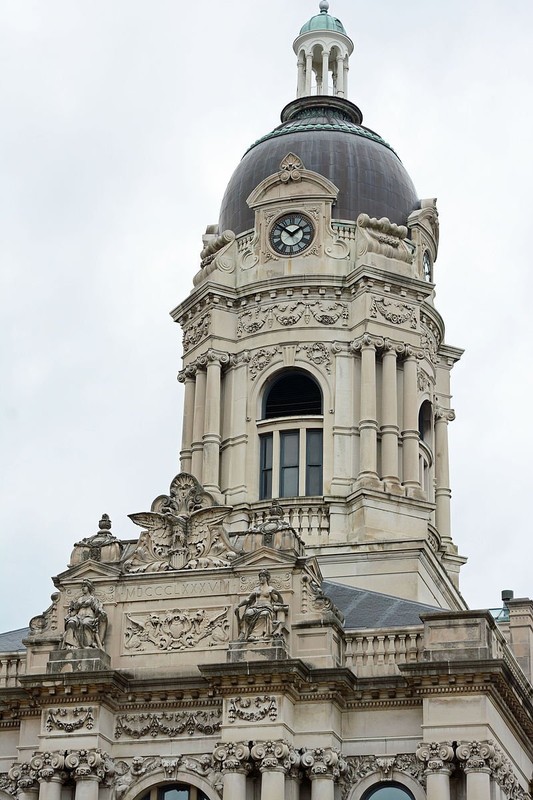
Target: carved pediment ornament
[
  {"x": 182, "y": 531},
  {"x": 291, "y": 168}
]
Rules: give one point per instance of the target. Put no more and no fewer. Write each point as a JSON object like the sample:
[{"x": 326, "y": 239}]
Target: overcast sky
[{"x": 122, "y": 122}]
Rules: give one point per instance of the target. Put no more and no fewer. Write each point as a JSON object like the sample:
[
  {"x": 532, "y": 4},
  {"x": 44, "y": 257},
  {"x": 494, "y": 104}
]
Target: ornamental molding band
[
  {"x": 382, "y": 237},
  {"x": 69, "y": 719},
  {"x": 177, "y": 629},
  {"x": 169, "y": 724},
  {"x": 248, "y": 710},
  {"x": 393, "y": 311},
  {"x": 293, "y": 312},
  {"x": 194, "y": 333},
  {"x": 183, "y": 530},
  {"x": 379, "y": 343}
]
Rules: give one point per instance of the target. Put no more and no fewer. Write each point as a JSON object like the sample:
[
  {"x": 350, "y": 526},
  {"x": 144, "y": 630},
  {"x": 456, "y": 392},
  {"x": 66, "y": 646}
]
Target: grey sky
[{"x": 122, "y": 123}]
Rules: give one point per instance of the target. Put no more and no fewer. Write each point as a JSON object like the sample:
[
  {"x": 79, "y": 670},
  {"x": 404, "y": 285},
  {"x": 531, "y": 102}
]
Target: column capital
[
  {"x": 323, "y": 762},
  {"x": 366, "y": 342},
  {"x": 274, "y": 755},
  {"x": 475, "y": 756},
  {"x": 22, "y": 778},
  {"x": 437, "y": 756},
  {"x": 88, "y": 764},
  {"x": 49, "y": 766},
  {"x": 233, "y": 756},
  {"x": 444, "y": 414}
]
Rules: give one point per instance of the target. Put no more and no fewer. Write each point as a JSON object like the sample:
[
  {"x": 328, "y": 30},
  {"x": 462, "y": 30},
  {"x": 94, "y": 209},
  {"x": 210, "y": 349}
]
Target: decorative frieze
[
  {"x": 177, "y": 629},
  {"x": 69, "y": 719},
  {"x": 252, "y": 710},
  {"x": 169, "y": 724},
  {"x": 292, "y": 312}
]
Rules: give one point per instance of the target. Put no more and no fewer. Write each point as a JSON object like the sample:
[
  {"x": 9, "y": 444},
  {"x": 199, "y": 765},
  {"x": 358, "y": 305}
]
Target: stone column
[
  {"x": 235, "y": 764},
  {"x": 368, "y": 423},
  {"x": 475, "y": 757},
  {"x": 343, "y": 437},
  {"x": 197, "y": 447},
  {"x": 211, "y": 437},
  {"x": 340, "y": 76},
  {"x": 301, "y": 77},
  {"x": 410, "y": 420},
  {"x": 323, "y": 766},
  {"x": 24, "y": 780},
  {"x": 389, "y": 415},
  {"x": 187, "y": 378},
  {"x": 87, "y": 767},
  {"x": 87, "y": 787},
  {"x": 50, "y": 788},
  {"x": 437, "y": 757},
  {"x": 442, "y": 473},
  {"x": 239, "y": 481},
  {"x": 325, "y": 71},
  {"x": 273, "y": 760},
  {"x": 308, "y": 73}
]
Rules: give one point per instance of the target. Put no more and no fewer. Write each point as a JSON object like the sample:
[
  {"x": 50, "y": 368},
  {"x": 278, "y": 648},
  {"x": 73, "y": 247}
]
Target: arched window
[
  {"x": 290, "y": 457},
  {"x": 424, "y": 422},
  {"x": 388, "y": 791},
  {"x": 175, "y": 791}
]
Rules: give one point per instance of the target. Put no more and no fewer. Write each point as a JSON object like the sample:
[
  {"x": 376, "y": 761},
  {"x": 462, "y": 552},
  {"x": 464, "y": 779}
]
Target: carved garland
[
  {"x": 168, "y": 724},
  {"x": 68, "y": 720},
  {"x": 395, "y": 312},
  {"x": 291, "y": 313},
  {"x": 196, "y": 332},
  {"x": 243, "y": 708}
]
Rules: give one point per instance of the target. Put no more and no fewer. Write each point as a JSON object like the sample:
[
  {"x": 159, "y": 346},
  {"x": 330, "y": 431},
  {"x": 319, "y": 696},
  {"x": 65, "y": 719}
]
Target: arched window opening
[
  {"x": 424, "y": 422},
  {"x": 388, "y": 791},
  {"x": 293, "y": 395},
  {"x": 290, "y": 454}
]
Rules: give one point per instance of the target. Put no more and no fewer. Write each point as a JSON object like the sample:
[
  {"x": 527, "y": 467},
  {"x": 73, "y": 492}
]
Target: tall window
[{"x": 290, "y": 456}]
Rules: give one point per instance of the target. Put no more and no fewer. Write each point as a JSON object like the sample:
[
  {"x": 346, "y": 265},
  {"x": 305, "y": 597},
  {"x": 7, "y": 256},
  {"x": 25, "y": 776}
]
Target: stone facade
[{"x": 288, "y": 623}]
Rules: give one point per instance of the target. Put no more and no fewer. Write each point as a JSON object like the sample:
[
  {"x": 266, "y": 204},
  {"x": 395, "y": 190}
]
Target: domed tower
[{"x": 315, "y": 370}]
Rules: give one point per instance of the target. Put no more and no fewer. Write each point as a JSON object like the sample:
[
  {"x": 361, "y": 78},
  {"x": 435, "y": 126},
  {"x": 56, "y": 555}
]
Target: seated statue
[
  {"x": 261, "y": 612},
  {"x": 85, "y": 622}
]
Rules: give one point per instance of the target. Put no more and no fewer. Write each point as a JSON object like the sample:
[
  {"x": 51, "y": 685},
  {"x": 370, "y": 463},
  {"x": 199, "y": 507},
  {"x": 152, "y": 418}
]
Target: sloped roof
[
  {"x": 11, "y": 641},
  {"x": 365, "y": 609}
]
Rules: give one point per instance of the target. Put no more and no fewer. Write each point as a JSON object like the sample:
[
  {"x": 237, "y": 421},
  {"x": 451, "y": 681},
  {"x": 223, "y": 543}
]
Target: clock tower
[{"x": 316, "y": 372}]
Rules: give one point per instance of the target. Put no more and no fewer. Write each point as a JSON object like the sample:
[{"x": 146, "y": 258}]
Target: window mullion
[
  {"x": 275, "y": 463},
  {"x": 302, "y": 474}
]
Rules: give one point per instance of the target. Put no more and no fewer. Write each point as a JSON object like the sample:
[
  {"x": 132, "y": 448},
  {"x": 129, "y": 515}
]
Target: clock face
[{"x": 291, "y": 234}]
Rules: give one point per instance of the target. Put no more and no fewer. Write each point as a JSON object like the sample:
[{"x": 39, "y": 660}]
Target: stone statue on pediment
[
  {"x": 85, "y": 621},
  {"x": 264, "y": 612}
]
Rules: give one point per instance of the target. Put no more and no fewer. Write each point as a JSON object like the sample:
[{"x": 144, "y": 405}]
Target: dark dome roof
[{"x": 326, "y": 134}]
